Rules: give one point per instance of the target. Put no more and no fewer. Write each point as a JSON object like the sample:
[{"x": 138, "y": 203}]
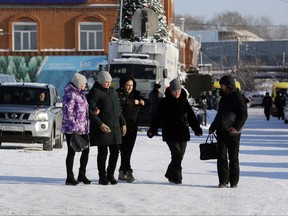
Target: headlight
[{"x": 40, "y": 115}]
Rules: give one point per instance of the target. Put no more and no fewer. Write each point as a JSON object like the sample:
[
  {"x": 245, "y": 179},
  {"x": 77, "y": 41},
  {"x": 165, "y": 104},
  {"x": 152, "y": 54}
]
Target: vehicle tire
[
  {"x": 48, "y": 145},
  {"x": 59, "y": 142}
]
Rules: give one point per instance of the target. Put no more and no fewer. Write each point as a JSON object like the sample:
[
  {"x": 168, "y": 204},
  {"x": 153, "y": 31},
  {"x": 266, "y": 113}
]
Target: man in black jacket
[
  {"x": 228, "y": 136},
  {"x": 267, "y": 103}
]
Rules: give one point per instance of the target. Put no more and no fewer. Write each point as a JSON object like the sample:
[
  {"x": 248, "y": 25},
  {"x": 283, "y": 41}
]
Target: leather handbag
[
  {"x": 78, "y": 143},
  {"x": 209, "y": 149}
]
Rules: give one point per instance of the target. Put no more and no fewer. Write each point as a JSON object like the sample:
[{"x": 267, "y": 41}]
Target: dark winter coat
[
  {"x": 280, "y": 101},
  {"x": 176, "y": 115},
  {"x": 267, "y": 102},
  {"x": 155, "y": 97},
  {"x": 107, "y": 101},
  {"x": 232, "y": 102},
  {"x": 130, "y": 110}
]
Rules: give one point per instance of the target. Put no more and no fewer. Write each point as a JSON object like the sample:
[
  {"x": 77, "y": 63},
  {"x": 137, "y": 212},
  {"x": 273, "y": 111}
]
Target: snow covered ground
[{"x": 32, "y": 181}]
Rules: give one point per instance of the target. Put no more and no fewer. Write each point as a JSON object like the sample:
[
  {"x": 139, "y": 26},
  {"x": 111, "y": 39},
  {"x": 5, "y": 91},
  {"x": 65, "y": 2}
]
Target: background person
[
  {"x": 229, "y": 140},
  {"x": 107, "y": 127},
  {"x": 75, "y": 120},
  {"x": 131, "y": 102},
  {"x": 155, "y": 97},
  {"x": 280, "y": 103},
  {"x": 267, "y": 103},
  {"x": 175, "y": 115}
]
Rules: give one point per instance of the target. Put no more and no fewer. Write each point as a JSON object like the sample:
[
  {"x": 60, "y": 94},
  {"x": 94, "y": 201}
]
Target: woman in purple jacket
[{"x": 75, "y": 120}]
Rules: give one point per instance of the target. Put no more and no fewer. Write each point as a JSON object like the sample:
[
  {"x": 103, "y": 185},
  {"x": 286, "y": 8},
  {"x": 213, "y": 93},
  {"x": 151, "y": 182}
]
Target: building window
[
  {"x": 25, "y": 36},
  {"x": 91, "y": 36}
]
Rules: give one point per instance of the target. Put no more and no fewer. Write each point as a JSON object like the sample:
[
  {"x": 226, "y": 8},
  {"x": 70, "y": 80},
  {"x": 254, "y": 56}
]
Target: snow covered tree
[{"x": 128, "y": 10}]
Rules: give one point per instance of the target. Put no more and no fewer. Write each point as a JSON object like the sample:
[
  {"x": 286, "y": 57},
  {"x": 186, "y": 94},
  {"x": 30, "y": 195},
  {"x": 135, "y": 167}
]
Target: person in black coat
[
  {"x": 267, "y": 103},
  {"x": 107, "y": 125},
  {"x": 175, "y": 115},
  {"x": 280, "y": 103},
  {"x": 155, "y": 97},
  {"x": 131, "y": 102},
  {"x": 229, "y": 138}
]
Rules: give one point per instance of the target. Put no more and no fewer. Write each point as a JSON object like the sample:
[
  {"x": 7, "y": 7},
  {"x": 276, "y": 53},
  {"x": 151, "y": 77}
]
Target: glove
[
  {"x": 210, "y": 131},
  {"x": 150, "y": 133},
  {"x": 104, "y": 128},
  {"x": 123, "y": 130},
  {"x": 199, "y": 132}
]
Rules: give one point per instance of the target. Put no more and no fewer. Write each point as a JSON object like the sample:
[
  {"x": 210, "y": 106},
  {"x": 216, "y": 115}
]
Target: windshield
[
  {"x": 24, "y": 96},
  {"x": 133, "y": 70}
]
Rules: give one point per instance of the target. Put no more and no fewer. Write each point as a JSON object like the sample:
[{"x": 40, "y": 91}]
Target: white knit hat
[
  {"x": 104, "y": 76},
  {"x": 79, "y": 80}
]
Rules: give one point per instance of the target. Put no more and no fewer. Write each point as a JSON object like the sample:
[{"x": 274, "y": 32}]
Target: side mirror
[
  {"x": 165, "y": 73},
  {"x": 58, "y": 105}
]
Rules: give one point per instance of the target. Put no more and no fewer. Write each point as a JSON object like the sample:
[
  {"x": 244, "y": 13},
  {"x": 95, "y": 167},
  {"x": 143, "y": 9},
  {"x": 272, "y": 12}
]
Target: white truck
[{"x": 148, "y": 63}]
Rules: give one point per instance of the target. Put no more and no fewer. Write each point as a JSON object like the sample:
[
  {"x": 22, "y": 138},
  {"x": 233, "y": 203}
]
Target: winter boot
[
  {"x": 126, "y": 176},
  {"x": 71, "y": 180},
  {"x": 111, "y": 179},
  {"x": 82, "y": 178},
  {"x": 103, "y": 180}
]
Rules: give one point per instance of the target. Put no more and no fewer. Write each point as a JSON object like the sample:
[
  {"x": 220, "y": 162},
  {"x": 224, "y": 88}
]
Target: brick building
[{"x": 72, "y": 28}]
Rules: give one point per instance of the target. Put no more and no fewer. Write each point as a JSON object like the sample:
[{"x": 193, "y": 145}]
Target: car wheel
[
  {"x": 48, "y": 145},
  {"x": 59, "y": 142}
]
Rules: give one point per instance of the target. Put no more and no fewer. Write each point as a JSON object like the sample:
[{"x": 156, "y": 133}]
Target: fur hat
[
  {"x": 175, "y": 85},
  {"x": 228, "y": 81},
  {"x": 79, "y": 80},
  {"x": 103, "y": 77}
]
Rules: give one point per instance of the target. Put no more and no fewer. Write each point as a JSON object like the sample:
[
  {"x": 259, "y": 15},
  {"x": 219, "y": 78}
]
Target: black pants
[
  {"x": 102, "y": 157},
  {"x": 280, "y": 111},
  {"x": 228, "y": 146},
  {"x": 126, "y": 148},
  {"x": 71, "y": 154},
  {"x": 267, "y": 111},
  {"x": 177, "y": 150}
]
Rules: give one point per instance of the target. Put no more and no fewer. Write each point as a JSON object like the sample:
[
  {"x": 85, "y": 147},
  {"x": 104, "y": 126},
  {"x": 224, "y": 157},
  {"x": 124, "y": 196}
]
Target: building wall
[{"x": 57, "y": 26}]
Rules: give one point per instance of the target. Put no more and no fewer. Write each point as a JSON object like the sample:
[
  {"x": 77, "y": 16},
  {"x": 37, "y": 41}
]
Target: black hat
[{"x": 228, "y": 81}]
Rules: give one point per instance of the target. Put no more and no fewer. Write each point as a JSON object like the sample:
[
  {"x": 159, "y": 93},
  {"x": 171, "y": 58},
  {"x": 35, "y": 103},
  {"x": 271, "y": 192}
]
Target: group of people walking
[
  {"x": 108, "y": 119},
  {"x": 279, "y": 102}
]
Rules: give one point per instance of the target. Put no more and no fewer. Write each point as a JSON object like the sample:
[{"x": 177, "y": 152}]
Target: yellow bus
[
  {"x": 279, "y": 87},
  {"x": 216, "y": 85}
]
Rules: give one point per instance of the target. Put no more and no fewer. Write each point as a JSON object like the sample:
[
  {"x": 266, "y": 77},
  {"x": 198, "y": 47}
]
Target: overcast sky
[{"x": 275, "y": 9}]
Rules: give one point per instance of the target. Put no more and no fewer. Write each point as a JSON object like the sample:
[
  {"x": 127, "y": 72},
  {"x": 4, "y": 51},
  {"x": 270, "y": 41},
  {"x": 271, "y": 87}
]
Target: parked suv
[{"x": 30, "y": 113}]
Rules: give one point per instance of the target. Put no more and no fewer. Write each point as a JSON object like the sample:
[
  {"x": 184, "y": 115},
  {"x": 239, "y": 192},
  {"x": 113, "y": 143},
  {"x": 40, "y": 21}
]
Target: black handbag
[
  {"x": 209, "y": 149},
  {"x": 78, "y": 143}
]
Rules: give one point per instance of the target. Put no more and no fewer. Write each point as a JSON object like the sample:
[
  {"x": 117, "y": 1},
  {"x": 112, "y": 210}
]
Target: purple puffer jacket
[{"x": 75, "y": 111}]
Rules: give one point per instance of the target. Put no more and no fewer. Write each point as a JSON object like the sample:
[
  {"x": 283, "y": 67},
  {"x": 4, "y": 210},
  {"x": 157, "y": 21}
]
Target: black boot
[
  {"x": 71, "y": 180},
  {"x": 103, "y": 180},
  {"x": 112, "y": 180},
  {"x": 82, "y": 178}
]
